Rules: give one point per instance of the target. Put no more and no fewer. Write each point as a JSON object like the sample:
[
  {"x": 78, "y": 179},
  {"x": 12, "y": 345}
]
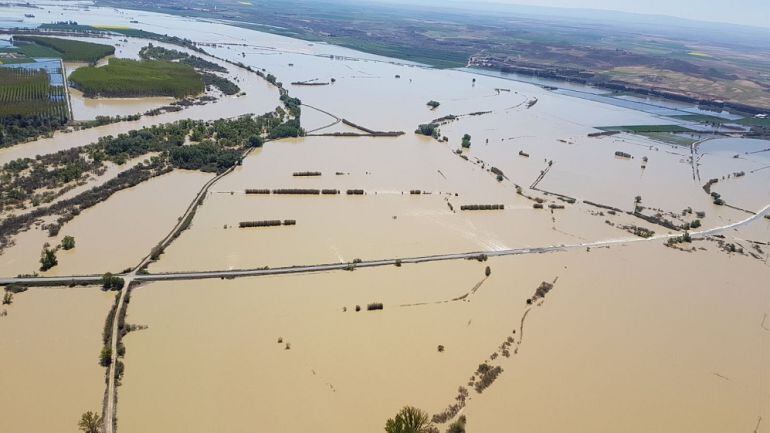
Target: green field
[
  {"x": 33, "y": 50},
  {"x": 753, "y": 121},
  {"x": 29, "y": 105},
  {"x": 702, "y": 118},
  {"x": 74, "y": 51},
  {"x": 639, "y": 129},
  {"x": 131, "y": 78}
]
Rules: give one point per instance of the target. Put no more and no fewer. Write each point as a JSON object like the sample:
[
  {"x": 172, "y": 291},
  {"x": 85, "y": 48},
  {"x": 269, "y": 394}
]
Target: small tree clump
[
  {"x": 105, "y": 357},
  {"x": 466, "y": 143},
  {"x": 410, "y": 420},
  {"x": 112, "y": 282},
  {"x": 90, "y": 422},
  {"x": 68, "y": 243},
  {"x": 458, "y": 426},
  {"x": 48, "y": 259}
]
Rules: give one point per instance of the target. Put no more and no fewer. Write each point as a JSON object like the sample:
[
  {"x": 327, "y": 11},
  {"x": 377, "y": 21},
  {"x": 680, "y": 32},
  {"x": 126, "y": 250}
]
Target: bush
[
  {"x": 466, "y": 143},
  {"x": 458, "y": 426},
  {"x": 112, "y": 282},
  {"x": 374, "y": 306},
  {"x": 429, "y": 129},
  {"x": 48, "y": 259},
  {"x": 105, "y": 357},
  {"x": 68, "y": 243}
]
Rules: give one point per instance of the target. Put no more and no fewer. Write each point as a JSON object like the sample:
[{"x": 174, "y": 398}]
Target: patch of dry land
[{"x": 636, "y": 300}]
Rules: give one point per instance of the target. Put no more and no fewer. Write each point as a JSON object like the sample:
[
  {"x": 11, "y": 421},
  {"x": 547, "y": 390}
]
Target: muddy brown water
[{"x": 635, "y": 338}]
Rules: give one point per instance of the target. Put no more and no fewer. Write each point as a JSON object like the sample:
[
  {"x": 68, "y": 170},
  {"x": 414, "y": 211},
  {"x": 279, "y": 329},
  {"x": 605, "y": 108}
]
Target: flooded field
[
  {"x": 114, "y": 235},
  {"x": 50, "y": 342},
  {"x": 638, "y": 337},
  {"x": 674, "y": 330}
]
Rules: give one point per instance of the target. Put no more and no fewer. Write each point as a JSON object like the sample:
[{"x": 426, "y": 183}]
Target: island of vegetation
[
  {"x": 132, "y": 78},
  {"x": 66, "y": 49}
]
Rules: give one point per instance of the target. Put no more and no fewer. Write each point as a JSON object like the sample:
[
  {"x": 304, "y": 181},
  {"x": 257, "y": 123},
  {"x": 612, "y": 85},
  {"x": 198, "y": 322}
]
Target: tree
[
  {"x": 488, "y": 271},
  {"x": 255, "y": 141},
  {"x": 48, "y": 259},
  {"x": 90, "y": 422},
  {"x": 466, "y": 141},
  {"x": 112, "y": 282},
  {"x": 105, "y": 357},
  {"x": 8, "y": 298},
  {"x": 458, "y": 426},
  {"x": 68, "y": 243},
  {"x": 410, "y": 420}
]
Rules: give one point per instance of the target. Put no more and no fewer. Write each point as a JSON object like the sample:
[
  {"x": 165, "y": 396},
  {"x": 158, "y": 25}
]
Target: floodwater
[
  {"x": 665, "y": 324},
  {"x": 637, "y": 337},
  {"x": 113, "y": 235},
  {"x": 50, "y": 342}
]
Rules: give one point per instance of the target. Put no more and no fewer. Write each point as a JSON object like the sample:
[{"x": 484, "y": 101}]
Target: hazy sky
[
  {"x": 747, "y": 12},
  {"x": 750, "y": 12}
]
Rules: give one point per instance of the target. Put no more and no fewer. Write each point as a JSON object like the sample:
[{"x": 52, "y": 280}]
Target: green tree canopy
[
  {"x": 410, "y": 420},
  {"x": 90, "y": 422}
]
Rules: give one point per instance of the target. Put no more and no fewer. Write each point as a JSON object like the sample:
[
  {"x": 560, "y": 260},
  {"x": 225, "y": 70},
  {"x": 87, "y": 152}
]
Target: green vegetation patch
[
  {"x": 702, "y": 118},
  {"x": 75, "y": 51},
  {"x": 639, "y": 129},
  {"x": 753, "y": 121},
  {"x": 32, "y": 50},
  {"x": 29, "y": 105},
  {"x": 128, "y": 78}
]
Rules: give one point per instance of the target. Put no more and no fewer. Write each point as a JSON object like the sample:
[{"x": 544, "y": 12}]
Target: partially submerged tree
[
  {"x": 112, "y": 282},
  {"x": 410, "y": 420},
  {"x": 68, "y": 243},
  {"x": 90, "y": 422},
  {"x": 466, "y": 141},
  {"x": 48, "y": 259}
]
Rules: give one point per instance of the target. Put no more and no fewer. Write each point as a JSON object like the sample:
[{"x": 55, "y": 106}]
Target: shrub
[
  {"x": 68, "y": 243},
  {"x": 105, "y": 357},
  {"x": 48, "y": 259},
  {"x": 458, "y": 426},
  {"x": 466, "y": 143},
  {"x": 112, "y": 282}
]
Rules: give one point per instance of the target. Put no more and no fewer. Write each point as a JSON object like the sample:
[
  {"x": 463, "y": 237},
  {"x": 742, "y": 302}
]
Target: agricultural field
[
  {"x": 131, "y": 78},
  {"x": 68, "y": 50},
  {"x": 29, "y": 105}
]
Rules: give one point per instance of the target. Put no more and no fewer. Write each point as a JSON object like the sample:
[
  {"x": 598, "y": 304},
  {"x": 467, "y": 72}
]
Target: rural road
[{"x": 171, "y": 276}]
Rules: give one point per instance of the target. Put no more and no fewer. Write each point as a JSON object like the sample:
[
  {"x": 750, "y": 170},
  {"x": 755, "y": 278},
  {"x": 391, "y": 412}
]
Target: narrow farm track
[{"x": 171, "y": 276}]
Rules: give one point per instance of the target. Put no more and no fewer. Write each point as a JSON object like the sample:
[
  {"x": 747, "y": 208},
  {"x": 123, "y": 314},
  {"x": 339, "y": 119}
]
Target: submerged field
[
  {"x": 619, "y": 310},
  {"x": 122, "y": 78}
]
